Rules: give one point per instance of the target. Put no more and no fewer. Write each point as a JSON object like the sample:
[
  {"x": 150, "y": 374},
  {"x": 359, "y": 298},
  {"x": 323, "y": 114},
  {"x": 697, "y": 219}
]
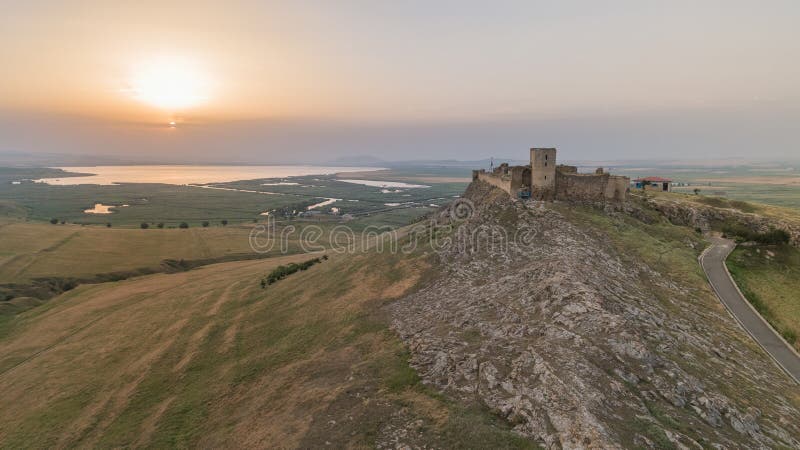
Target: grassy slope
[
  {"x": 769, "y": 276},
  {"x": 30, "y": 250},
  {"x": 777, "y": 212},
  {"x": 673, "y": 250},
  {"x": 208, "y": 358},
  {"x": 664, "y": 247}
]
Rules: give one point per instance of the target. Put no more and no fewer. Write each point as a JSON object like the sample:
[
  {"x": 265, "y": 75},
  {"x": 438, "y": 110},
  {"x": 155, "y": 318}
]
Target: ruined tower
[{"x": 543, "y": 173}]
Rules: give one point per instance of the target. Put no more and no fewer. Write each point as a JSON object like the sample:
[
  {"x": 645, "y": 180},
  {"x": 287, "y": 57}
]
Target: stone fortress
[{"x": 543, "y": 179}]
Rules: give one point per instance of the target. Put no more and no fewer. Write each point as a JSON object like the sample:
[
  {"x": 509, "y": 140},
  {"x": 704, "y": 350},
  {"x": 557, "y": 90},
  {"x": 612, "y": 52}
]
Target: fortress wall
[
  {"x": 548, "y": 181},
  {"x": 591, "y": 187},
  {"x": 520, "y": 176},
  {"x": 617, "y": 188},
  {"x": 567, "y": 169},
  {"x": 503, "y": 183}
]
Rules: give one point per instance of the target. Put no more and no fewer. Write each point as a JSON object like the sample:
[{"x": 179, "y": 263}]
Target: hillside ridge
[{"x": 578, "y": 347}]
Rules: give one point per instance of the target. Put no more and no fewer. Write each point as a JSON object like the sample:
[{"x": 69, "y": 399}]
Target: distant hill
[
  {"x": 358, "y": 160},
  {"x": 22, "y": 159}
]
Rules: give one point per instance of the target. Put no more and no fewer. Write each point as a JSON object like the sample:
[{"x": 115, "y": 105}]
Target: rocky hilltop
[{"x": 550, "y": 326}]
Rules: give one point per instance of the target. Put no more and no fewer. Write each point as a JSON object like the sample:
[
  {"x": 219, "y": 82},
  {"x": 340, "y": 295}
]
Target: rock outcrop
[
  {"x": 541, "y": 320},
  {"x": 705, "y": 216}
]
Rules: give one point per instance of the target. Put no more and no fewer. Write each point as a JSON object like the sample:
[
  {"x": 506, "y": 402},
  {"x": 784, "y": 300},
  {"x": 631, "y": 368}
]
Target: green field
[
  {"x": 30, "y": 250},
  {"x": 772, "y": 184},
  {"x": 769, "y": 276},
  {"x": 173, "y": 204}
]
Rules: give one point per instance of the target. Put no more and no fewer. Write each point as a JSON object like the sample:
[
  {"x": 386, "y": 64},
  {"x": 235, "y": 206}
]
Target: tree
[
  {"x": 145, "y": 225},
  {"x": 224, "y": 222},
  {"x": 54, "y": 221},
  {"x": 183, "y": 225},
  {"x": 696, "y": 191},
  {"x": 205, "y": 223},
  {"x": 160, "y": 224}
]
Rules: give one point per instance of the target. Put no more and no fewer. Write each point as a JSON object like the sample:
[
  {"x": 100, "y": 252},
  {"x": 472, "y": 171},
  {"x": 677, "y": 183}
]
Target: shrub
[
  {"x": 183, "y": 225},
  {"x": 205, "y": 223},
  {"x": 282, "y": 271},
  {"x": 54, "y": 221},
  {"x": 224, "y": 222},
  {"x": 160, "y": 224},
  {"x": 108, "y": 224},
  {"x": 773, "y": 236},
  {"x": 144, "y": 225},
  {"x": 741, "y": 233}
]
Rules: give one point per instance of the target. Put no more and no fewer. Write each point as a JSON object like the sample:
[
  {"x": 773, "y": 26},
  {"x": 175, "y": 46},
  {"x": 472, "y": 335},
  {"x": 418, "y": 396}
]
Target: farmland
[{"x": 235, "y": 202}]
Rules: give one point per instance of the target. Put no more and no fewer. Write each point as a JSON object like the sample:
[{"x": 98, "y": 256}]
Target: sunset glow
[
  {"x": 257, "y": 78},
  {"x": 170, "y": 84}
]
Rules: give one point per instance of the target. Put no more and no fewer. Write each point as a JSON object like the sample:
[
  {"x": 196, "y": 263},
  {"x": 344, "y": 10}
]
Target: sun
[{"x": 171, "y": 84}]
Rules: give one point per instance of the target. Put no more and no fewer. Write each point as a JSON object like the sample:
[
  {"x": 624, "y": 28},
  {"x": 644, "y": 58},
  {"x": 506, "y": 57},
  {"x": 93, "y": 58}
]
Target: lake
[
  {"x": 174, "y": 174},
  {"x": 385, "y": 184}
]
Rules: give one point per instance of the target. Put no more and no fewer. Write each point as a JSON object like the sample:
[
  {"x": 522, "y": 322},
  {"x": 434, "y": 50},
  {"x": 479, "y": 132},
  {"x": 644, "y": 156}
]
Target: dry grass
[
  {"x": 209, "y": 358},
  {"x": 30, "y": 250},
  {"x": 33, "y": 250}
]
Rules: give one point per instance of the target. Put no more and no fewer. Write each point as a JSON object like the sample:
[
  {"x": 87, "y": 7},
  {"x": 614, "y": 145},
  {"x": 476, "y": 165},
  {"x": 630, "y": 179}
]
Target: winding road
[{"x": 713, "y": 262}]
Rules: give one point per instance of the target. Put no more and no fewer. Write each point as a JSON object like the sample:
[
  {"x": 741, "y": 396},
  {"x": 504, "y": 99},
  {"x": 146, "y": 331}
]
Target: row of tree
[
  {"x": 205, "y": 224},
  {"x": 146, "y": 225},
  {"x": 282, "y": 271}
]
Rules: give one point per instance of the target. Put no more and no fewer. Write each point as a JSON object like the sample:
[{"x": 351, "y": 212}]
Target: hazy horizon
[{"x": 288, "y": 83}]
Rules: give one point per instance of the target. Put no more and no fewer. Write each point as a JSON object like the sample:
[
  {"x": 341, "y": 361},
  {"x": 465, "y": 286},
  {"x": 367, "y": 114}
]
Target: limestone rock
[{"x": 570, "y": 344}]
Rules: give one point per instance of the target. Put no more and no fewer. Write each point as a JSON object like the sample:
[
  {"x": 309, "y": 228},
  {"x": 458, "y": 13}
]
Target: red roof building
[
  {"x": 654, "y": 184},
  {"x": 654, "y": 180}
]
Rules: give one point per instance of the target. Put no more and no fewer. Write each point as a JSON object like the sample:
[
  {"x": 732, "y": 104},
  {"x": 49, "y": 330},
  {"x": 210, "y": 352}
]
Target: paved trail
[{"x": 713, "y": 263}]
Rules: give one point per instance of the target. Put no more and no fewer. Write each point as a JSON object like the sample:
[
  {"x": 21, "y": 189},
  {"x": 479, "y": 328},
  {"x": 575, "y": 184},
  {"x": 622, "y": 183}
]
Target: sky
[{"x": 305, "y": 81}]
